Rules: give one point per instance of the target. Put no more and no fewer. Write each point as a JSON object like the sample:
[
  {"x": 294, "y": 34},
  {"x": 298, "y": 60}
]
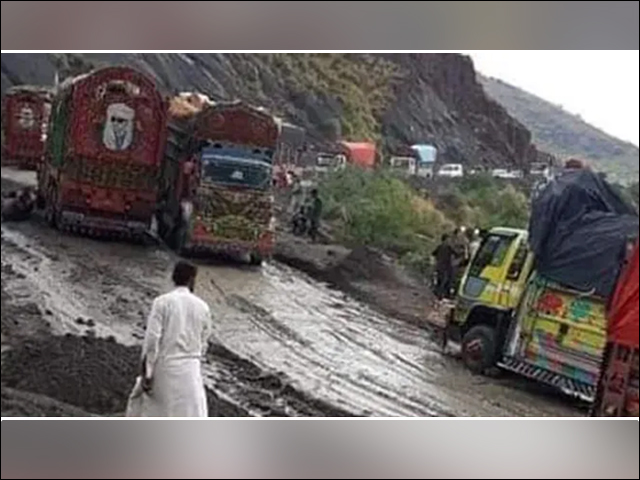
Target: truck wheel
[
  {"x": 479, "y": 349},
  {"x": 255, "y": 259}
]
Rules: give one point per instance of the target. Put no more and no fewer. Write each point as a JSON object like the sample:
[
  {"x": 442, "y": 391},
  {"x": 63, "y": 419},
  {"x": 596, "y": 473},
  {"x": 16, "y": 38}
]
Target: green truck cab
[{"x": 508, "y": 316}]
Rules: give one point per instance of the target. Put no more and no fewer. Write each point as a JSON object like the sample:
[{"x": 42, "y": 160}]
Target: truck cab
[{"x": 491, "y": 289}]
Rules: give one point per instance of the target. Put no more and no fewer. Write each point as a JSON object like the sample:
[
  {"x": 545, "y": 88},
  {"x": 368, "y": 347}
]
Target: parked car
[{"x": 451, "y": 170}]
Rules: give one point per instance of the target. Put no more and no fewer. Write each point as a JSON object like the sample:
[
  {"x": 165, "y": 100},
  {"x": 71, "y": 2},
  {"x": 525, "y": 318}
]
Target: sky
[{"x": 601, "y": 86}]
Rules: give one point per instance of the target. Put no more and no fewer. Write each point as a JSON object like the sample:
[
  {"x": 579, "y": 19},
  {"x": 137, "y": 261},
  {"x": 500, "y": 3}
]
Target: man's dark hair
[
  {"x": 445, "y": 237},
  {"x": 184, "y": 273},
  {"x": 314, "y": 192}
]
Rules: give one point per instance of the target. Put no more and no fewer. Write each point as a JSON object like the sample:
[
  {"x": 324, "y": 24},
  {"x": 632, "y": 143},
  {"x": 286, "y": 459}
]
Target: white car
[
  {"x": 507, "y": 174},
  {"x": 451, "y": 170}
]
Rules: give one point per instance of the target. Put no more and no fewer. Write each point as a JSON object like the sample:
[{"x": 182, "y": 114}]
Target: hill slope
[
  {"x": 563, "y": 134},
  {"x": 396, "y": 98}
]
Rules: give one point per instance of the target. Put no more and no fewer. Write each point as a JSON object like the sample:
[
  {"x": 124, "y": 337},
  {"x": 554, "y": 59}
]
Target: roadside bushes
[
  {"x": 484, "y": 202},
  {"x": 378, "y": 210}
]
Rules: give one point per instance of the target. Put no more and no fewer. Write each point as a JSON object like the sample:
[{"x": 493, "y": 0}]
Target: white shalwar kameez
[{"x": 176, "y": 339}]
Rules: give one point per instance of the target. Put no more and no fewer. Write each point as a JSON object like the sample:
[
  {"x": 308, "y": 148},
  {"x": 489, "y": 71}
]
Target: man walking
[{"x": 176, "y": 338}]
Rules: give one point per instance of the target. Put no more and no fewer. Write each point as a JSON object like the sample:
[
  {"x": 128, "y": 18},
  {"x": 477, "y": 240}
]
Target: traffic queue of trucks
[{"x": 114, "y": 160}]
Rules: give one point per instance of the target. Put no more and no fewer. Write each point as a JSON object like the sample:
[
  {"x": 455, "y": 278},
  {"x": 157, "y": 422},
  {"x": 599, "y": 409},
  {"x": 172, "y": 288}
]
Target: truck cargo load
[{"x": 579, "y": 231}]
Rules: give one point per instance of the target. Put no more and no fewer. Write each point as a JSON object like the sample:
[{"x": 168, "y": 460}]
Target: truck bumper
[
  {"x": 568, "y": 385},
  {"x": 69, "y": 219},
  {"x": 208, "y": 243}
]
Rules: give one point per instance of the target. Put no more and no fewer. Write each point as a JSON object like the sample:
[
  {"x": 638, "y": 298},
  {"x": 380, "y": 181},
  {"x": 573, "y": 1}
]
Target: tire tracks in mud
[
  {"x": 362, "y": 390},
  {"x": 66, "y": 341}
]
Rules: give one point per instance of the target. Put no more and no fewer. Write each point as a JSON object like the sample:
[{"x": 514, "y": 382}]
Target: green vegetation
[
  {"x": 376, "y": 209},
  {"x": 363, "y": 84},
  {"x": 484, "y": 202}
]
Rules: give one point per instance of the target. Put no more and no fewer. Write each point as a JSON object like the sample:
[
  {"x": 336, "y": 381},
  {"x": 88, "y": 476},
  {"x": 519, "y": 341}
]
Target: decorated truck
[
  {"x": 534, "y": 302},
  {"x": 617, "y": 394},
  {"x": 217, "y": 193},
  {"x": 25, "y": 116},
  {"x": 104, "y": 150}
]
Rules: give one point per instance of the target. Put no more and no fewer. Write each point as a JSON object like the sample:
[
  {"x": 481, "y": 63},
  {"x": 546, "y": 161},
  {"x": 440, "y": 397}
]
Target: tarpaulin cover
[
  {"x": 579, "y": 231},
  {"x": 624, "y": 310}
]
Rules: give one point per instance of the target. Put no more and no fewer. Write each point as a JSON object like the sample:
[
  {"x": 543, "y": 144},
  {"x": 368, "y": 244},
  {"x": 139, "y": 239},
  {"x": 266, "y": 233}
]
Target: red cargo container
[
  {"x": 104, "y": 151},
  {"x": 362, "y": 154},
  {"x": 618, "y": 388}
]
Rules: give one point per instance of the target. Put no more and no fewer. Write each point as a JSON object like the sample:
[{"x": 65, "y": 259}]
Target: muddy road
[{"x": 285, "y": 344}]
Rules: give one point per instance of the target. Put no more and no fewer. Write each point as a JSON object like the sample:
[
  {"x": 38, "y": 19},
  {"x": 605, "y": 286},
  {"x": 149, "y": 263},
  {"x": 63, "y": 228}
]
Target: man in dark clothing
[
  {"x": 315, "y": 213},
  {"x": 445, "y": 255}
]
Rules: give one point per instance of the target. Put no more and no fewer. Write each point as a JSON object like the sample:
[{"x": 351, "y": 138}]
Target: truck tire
[
  {"x": 479, "y": 349},
  {"x": 256, "y": 260}
]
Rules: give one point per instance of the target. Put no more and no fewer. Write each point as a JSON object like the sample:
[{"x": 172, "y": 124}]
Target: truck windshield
[
  {"x": 493, "y": 252},
  {"x": 236, "y": 172}
]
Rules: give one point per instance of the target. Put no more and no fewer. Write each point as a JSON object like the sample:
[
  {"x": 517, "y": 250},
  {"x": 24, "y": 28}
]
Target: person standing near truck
[
  {"x": 315, "y": 214},
  {"x": 177, "y": 335},
  {"x": 445, "y": 257}
]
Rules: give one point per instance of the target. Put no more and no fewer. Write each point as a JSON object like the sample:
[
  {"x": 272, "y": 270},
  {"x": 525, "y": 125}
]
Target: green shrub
[
  {"x": 379, "y": 210},
  {"x": 376, "y": 209}
]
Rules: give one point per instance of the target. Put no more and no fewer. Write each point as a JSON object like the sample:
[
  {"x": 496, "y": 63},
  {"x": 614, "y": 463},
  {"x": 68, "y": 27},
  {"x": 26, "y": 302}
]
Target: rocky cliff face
[{"x": 397, "y": 99}]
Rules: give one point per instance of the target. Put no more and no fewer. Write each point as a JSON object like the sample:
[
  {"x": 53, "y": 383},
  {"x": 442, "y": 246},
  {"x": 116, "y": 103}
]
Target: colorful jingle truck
[
  {"x": 104, "y": 150},
  {"x": 534, "y": 302},
  {"x": 25, "y": 116},
  {"x": 217, "y": 193}
]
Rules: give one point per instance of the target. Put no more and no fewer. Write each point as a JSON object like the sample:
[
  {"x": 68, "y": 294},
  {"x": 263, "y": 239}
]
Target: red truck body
[
  {"x": 361, "y": 154},
  {"x": 618, "y": 387},
  {"x": 217, "y": 194},
  {"x": 104, "y": 150},
  {"x": 25, "y": 115}
]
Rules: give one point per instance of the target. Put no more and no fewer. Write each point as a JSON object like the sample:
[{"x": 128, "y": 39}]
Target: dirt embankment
[{"x": 365, "y": 273}]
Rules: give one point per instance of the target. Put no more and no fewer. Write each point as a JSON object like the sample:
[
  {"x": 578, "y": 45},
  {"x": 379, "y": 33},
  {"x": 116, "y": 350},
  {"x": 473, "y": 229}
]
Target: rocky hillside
[
  {"x": 559, "y": 132},
  {"x": 393, "y": 98}
]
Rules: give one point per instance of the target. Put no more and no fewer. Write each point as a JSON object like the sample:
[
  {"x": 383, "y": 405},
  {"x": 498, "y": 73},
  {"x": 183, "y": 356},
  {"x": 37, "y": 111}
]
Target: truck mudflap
[{"x": 568, "y": 385}]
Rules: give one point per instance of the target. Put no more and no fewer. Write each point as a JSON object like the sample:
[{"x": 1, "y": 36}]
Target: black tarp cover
[{"x": 579, "y": 231}]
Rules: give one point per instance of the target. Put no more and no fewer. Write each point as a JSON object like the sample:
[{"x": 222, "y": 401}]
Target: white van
[
  {"x": 403, "y": 165},
  {"x": 451, "y": 170}
]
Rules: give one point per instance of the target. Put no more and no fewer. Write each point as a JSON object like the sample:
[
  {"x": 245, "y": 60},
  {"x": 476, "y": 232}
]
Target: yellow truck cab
[{"x": 509, "y": 317}]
